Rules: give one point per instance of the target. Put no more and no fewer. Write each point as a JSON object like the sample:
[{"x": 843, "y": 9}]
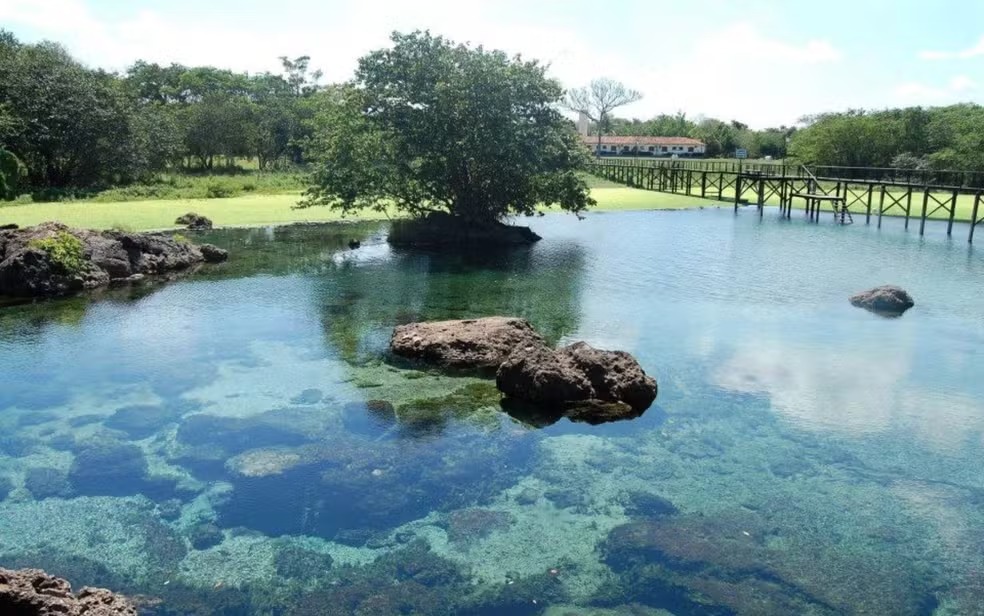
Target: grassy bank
[{"x": 251, "y": 210}]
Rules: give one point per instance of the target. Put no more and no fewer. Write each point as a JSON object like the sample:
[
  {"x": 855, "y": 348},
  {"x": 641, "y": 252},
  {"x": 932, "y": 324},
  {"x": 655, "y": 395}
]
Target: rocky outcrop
[
  {"x": 32, "y": 592},
  {"x": 589, "y": 384},
  {"x": 478, "y": 345},
  {"x": 887, "y": 300},
  {"x": 52, "y": 259},
  {"x": 443, "y": 230},
  {"x": 213, "y": 254},
  {"x": 194, "y": 221},
  {"x": 541, "y": 384}
]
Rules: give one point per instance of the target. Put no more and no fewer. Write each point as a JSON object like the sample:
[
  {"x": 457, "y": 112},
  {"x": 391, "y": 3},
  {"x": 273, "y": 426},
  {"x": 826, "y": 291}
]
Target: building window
[
  {"x": 651, "y": 148},
  {"x": 690, "y": 149},
  {"x": 664, "y": 148}
]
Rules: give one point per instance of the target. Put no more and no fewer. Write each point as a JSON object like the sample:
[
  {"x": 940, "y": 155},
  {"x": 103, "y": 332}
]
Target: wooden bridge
[{"x": 782, "y": 185}]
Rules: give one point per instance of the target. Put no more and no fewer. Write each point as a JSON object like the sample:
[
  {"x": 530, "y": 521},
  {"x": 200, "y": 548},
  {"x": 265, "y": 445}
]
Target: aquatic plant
[
  {"x": 427, "y": 416},
  {"x": 467, "y": 525},
  {"x": 107, "y": 467},
  {"x": 298, "y": 563},
  {"x": 204, "y": 536},
  {"x": 44, "y": 482},
  {"x": 724, "y": 562},
  {"x": 6, "y": 487}
]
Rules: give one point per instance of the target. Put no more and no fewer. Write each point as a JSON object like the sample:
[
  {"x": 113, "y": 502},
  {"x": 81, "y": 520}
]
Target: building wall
[{"x": 646, "y": 150}]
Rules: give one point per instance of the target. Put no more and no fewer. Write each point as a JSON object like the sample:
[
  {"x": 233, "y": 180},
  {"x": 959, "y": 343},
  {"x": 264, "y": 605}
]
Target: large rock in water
[
  {"x": 887, "y": 300},
  {"x": 443, "y": 230},
  {"x": 32, "y": 592},
  {"x": 479, "y": 345},
  {"x": 27, "y": 269},
  {"x": 588, "y": 384}
]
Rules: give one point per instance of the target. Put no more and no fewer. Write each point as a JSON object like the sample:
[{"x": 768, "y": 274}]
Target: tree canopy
[
  {"x": 429, "y": 125},
  {"x": 74, "y": 127},
  {"x": 914, "y": 137}
]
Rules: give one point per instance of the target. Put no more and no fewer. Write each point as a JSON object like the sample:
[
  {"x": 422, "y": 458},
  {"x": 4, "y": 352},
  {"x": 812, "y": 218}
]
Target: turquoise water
[{"x": 238, "y": 442}]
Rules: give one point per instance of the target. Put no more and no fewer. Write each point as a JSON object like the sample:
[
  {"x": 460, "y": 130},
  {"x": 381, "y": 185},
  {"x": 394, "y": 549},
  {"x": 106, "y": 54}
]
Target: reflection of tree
[
  {"x": 288, "y": 249},
  {"x": 362, "y": 303}
]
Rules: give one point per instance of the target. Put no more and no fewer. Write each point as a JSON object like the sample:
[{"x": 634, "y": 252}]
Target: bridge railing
[{"x": 897, "y": 176}]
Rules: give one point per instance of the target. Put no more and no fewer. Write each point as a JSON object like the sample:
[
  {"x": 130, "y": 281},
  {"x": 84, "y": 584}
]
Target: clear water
[{"x": 207, "y": 444}]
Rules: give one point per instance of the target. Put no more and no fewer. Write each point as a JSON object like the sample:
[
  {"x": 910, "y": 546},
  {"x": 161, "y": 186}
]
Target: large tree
[
  {"x": 599, "y": 99},
  {"x": 429, "y": 125}
]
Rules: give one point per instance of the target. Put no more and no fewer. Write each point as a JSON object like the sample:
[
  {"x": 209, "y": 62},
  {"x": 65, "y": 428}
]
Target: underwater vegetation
[{"x": 739, "y": 562}]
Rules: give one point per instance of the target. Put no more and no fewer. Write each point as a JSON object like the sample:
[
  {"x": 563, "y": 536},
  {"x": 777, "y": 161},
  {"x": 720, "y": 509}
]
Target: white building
[{"x": 644, "y": 146}]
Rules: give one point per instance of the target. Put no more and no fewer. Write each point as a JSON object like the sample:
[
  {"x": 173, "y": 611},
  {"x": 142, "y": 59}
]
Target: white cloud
[
  {"x": 962, "y": 83},
  {"x": 714, "y": 74},
  {"x": 973, "y": 51},
  {"x": 916, "y": 92}
]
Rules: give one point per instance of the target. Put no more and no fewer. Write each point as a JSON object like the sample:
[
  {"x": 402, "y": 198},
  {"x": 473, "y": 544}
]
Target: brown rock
[
  {"x": 471, "y": 344},
  {"x": 887, "y": 300},
  {"x": 108, "y": 256},
  {"x": 32, "y": 592},
  {"x": 194, "y": 221},
  {"x": 593, "y": 385}
]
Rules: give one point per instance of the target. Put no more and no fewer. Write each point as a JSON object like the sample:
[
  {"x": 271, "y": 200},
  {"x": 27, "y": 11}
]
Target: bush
[
  {"x": 64, "y": 249},
  {"x": 218, "y": 191}
]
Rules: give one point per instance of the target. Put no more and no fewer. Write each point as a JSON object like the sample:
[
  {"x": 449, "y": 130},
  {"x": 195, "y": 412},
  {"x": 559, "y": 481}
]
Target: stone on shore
[
  {"x": 52, "y": 259},
  {"x": 32, "y": 592},
  {"x": 887, "y": 300},
  {"x": 194, "y": 221},
  {"x": 479, "y": 345}
]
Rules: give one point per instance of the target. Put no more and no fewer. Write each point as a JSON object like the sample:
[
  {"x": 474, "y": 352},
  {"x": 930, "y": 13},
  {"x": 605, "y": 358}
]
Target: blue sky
[{"x": 758, "y": 61}]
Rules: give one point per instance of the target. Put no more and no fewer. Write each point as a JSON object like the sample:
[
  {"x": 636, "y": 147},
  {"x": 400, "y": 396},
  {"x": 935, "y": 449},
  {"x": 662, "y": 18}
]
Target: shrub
[
  {"x": 64, "y": 249},
  {"x": 218, "y": 191},
  {"x": 181, "y": 239},
  {"x": 122, "y": 227}
]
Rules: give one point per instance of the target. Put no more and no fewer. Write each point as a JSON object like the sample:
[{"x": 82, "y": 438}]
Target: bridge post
[
  {"x": 973, "y": 217},
  {"x": 953, "y": 213},
  {"x": 867, "y": 216},
  {"x": 737, "y": 191},
  {"x": 922, "y": 222}
]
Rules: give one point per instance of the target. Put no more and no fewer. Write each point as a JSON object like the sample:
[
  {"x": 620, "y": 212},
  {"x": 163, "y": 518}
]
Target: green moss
[
  {"x": 181, "y": 239},
  {"x": 64, "y": 249},
  {"x": 465, "y": 403}
]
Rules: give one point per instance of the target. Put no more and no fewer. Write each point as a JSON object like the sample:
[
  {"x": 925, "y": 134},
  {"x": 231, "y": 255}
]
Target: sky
[{"x": 761, "y": 62}]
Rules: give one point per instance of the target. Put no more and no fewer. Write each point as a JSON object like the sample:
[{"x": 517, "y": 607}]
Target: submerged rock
[
  {"x": 469, "y": 344},
  {"x": 592, "y": 385},
  {"x": 205, "y": 536},
  {"x": 194, "y": 221},
  {"x": 52, "y": 259},
  {"x": 32, "y": 592},
  {"x": 468, "y": 525},
  {"x": 44, "y": 482},
  {"x": 443, "y": 230},
  {"x": 887, "y": 300},
  {"x": 741, "y": 562}
]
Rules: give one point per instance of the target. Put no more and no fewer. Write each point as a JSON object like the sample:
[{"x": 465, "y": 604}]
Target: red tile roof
[{"x": 619, "y": 140}]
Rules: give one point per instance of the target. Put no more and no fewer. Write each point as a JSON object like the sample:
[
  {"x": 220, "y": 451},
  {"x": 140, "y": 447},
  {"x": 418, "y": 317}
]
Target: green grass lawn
[{"x": 254, "y": 210}]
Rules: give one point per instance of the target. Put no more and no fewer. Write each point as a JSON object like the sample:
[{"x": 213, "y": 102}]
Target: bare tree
[{"x": 599, "y": 99}]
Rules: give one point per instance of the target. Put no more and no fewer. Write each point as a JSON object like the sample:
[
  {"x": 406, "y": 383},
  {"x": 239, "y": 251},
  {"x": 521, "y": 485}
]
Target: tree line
[
  {"x": 949, "y": 137},
  {"x": 71, "y": 126}
]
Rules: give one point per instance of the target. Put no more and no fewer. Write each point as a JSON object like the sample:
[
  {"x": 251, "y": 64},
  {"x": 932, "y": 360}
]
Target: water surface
[{"x": 238, "y": 442}]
